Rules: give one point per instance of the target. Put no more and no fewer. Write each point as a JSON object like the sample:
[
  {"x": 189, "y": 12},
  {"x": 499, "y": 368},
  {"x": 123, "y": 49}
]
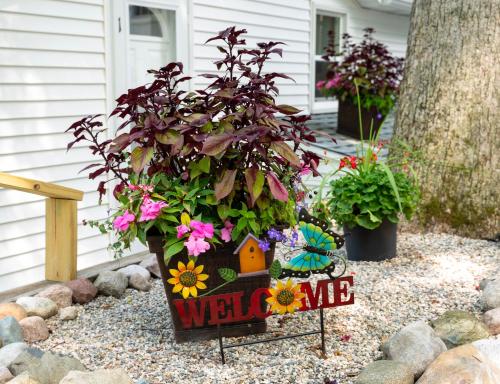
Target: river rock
[
  {"x": 492, "y": 320},
  {"x": 34, "y": 329},
  {"x": 490, "y": 348},
  {"x": 5, "y": 375},
  {"x": 47, "y": 368},
  {"x": 68, "y": 313},
  {"x": 38, "y": 306},
  {"x": 100, "y": 376},
  {"x": 23, "y": 378},
  {"x": 151, "y": 264},
  {"x": 459, "y": 327},
  {"x": 12, "y": 309},
  {"x": 59, "y": 294},
  {"x": 463, "y": 364},
  {"x": 491, "y": 294},
  {"x": 386, "y": 372},
  {"x": 83, "y": 290},
  {"x": 139, "y": 282},
  {"x": 416, "y": 345},
  {"x": 133, "y": 269},
  {"x": 10, "y": 331},
  {"x": 110, "y": 283},
  {"x": 9, "y": 353}
]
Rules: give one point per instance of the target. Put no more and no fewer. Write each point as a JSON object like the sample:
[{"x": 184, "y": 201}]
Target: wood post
[{"x": 61, "y": 239}]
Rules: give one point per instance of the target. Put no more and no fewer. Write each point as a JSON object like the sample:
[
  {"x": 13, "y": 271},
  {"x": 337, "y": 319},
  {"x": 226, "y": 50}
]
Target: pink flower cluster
[
  {"x": 150, "y": 209},
  {"x": 200, "y": 231},
  {"x": 327, "y": 84},
  {"x": 226, "y": 231},
  {"x": 121, "y": 223}
]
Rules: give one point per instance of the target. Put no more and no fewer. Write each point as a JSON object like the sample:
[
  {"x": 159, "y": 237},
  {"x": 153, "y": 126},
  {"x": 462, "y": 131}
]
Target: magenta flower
[
  {"x": 196, "y": 245},
  {"x": 182, "y": 230},
  {"x": 121, "y": 223},
  {"x": 202, "y": 230},
  {"x": 150, "y": 209},
  {"x": 333, "y": 83},
  {"x": 226, "y": 231},
  {"x": 320, "y": 84}
]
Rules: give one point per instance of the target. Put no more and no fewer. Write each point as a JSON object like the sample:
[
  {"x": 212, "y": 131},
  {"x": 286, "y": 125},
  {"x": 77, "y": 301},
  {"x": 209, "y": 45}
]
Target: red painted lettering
[
  {"x": 219, "y": 313},
  {"x": 341, "y": 288},
  {"x": 190, "y": 312}
]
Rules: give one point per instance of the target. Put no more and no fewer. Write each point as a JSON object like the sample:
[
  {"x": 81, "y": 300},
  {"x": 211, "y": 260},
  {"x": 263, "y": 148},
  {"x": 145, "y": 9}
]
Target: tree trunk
[{"x": 448, "y": 111}]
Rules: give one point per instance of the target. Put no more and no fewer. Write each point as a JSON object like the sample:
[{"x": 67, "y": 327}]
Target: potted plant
[
  {"x": 200, "y": 173},
  {"x": 378, "y": 74}
]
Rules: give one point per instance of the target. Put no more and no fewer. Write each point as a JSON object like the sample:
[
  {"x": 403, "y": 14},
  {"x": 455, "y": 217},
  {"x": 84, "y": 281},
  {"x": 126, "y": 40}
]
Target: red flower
[
  {"x": 353, "y": 161},
  {"x": 342, "y": 163},
  {"x": 345, "y": 338}
]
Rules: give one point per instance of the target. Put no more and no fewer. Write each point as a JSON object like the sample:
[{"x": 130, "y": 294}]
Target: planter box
[
  {"x": 222, "y": 257},
  {"x": 348, "y": 120},
  {"x": 371, "y": 244}
]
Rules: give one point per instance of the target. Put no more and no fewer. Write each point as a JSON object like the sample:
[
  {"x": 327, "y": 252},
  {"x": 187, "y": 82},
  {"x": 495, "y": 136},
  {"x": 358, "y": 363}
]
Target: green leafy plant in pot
[
  {"x": 196, "y": 172},
  {"x": 368, "y": 200}
]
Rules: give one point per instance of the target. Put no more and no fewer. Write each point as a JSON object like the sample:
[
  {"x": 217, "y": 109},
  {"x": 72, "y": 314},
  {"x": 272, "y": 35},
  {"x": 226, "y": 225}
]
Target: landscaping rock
[
  {"x": 34, "y": 329},
  {"x": 139, "y": 282},
  {"x": 110, "y": 283},
  {"x": 459, "y": 327},
  {"x": 151, "y": 264},
  {"x": 68, "y": 313},
  {"x": 491, "y": 294},
  {"x": 463, "y": 364},
  {"x": 490, "y": 348},
  {"x": 100, "y": 376},
  {"x": 492, "y": 320},
  {"x": 12, "y": 309},
  {"x": 135, "y": 269},
  {"x": 24, "y": 378},
  {"x": 9, "y": 353},
  {"x": 10, "y": 331},
  {"x": 386, "y": 372},
  {"x": 38, "y": 306},
  {"x": 5, "y": 375},
  {"x": 59, "y": 294},
  {"x": 83, "y": 290},
  {"x": 48, "y": 368},
  {"x": 416, "y": 345}
]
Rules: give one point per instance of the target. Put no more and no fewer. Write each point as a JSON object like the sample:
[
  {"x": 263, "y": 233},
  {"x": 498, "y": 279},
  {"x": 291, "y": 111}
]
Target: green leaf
[
  {"x": 223, "y": 211},
  {"x": 140, "y": 157},
  {"x": 390, "y": 176},
  {"x": 275, "y": 269},
  {"x": 170, "y": 137},
  {"x": 211, "y": 199},
  {"x": 173, "y": 249},
  {"x": 204, "y": 164},
  {"x": 227, "y": 274}
]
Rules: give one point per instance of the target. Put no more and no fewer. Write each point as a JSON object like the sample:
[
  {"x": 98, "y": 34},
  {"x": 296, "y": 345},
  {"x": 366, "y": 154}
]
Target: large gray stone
[
  {"x": 386, "y": 372},
  {"x": 491, "y": 294},
  {"x": 151, "y": 264},
  {"x": 492, "y": 320},
  {"x": 459, "y": 327},
  {"x": 49, "y": 368},
  {"x": 461, "y": 365},
  {"x": 133, "y": 269},
  {"x": 83, "y": 290},
  {"x": 416, "y": 345},
  {"x": 9, "y": 353},
  {"x": 59, "y": 294},
  {"x": 38, "y": 306},
  {"x": 138, "y": 282},
  {"x": 34, "y": 329},
  {"x": 100, "y": 376},
  {"x": 10, "y": 331},
  {"x": 23, "y": 378},
  {"x": 110, "y": 283},
  {"x": 490, "y": 348},
  {"x": 5, "y": 375}
]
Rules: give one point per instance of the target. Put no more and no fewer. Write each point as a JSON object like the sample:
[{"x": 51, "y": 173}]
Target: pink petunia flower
[
  {"x": 226, "y": 231},
  {"x": 121, "y": 223},
  {"x": 333, "y": 83},
  {"x": 150, "y": 209},
  {"x": 196, "y": 245},
  {"x": 202, "y": 230},
  {"x": 182, "y": 230},
  {"x": 320, "y": 84}
]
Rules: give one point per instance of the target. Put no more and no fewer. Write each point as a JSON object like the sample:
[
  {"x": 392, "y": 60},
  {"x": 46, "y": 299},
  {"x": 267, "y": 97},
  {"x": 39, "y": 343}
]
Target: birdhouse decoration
[{"x": 252, "y": 258}]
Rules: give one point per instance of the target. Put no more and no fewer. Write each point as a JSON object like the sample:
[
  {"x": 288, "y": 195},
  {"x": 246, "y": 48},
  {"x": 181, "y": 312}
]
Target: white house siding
[{"x": 52, "y": 71}]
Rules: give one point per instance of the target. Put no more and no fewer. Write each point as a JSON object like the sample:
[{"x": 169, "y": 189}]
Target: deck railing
[{"x": 60, "y": 223}]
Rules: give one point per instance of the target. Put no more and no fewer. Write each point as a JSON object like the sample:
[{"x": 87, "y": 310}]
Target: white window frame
[{"x": 325, "y": 105}]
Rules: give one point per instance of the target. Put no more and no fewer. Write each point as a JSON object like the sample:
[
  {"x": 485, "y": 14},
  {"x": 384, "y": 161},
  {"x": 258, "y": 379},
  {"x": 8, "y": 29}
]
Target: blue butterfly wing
[
  {"x": 308, "y": 261},
  {"x": 316, "y": 237}
]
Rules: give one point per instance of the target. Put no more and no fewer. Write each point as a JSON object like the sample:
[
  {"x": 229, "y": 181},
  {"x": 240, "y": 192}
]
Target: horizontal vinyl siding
[
  {"x": 52, "y": 72},
  {"x": 286, "y": 21}
]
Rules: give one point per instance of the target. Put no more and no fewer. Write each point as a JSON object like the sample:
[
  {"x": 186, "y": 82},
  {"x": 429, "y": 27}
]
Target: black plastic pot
[
  {"x": 371, "y": 245},
  {"x": 348, "y": 120}
]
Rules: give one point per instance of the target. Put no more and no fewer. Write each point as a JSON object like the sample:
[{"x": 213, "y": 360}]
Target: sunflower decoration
[
  {"x": 188, "y": 279},
  {"x": 285, "y": 297}
]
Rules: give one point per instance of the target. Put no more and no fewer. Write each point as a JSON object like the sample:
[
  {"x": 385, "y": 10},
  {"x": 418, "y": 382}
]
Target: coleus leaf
[
  {"x": 226, "y": 183},
  {"x": 255, "y": 182},
  {"x": 287, "y": 109},
  {"x": 170, "y": 137},
  {"x": 278, "y": 190},
  {"x": 217, "y": 144},
  {"x": 284, "y": 150},
  {"x": 140, "y": 157}
]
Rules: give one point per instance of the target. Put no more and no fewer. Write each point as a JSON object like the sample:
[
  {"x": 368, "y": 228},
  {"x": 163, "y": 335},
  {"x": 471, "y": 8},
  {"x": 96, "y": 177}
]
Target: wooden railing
[{"x": 60, "y": 223}]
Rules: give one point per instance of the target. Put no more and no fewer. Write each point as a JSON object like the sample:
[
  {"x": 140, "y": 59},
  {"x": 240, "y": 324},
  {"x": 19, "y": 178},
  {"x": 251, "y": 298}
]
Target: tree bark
[{"x": 448, "y": 111}]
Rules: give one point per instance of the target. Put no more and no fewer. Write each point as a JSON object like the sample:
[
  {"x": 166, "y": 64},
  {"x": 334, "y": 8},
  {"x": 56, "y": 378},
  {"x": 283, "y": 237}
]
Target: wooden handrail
[
  {"x": 60, "y": 223},
  {"x": 39, "y": 187}
]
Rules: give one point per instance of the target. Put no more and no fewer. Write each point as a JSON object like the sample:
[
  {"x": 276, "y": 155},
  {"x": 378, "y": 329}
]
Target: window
[
  {"x": 324, "y": 24},
  {"x": 147, "y": 21}
]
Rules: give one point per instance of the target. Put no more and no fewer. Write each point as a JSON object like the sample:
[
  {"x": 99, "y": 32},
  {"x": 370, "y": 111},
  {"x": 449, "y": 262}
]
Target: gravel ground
[{"x": 433, "y": 273}]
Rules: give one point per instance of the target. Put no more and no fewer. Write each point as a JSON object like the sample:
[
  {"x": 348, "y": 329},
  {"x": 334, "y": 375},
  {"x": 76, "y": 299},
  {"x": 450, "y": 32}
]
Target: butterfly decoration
[{"x": 317, "y": 255}]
